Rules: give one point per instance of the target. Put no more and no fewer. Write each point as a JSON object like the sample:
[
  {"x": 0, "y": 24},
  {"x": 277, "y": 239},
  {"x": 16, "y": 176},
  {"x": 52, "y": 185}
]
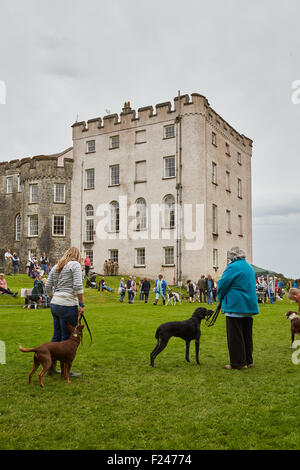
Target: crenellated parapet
[{"x": 162, "y": 112}]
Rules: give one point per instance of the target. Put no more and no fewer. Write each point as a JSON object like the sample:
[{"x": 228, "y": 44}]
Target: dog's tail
[{"x": 27, "y": 350}]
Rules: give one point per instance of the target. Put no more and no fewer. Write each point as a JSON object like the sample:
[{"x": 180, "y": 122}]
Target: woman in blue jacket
[{"x": 237, "y": 294}]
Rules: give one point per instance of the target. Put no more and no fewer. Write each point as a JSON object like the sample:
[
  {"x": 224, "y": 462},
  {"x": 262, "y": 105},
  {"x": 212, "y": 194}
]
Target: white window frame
[
  {"x": 214, "y": 178},
  {"x": 88, "y": 180},
  {"x": 33, "y": 197},
  {"x": 239, "y": 158},
  {"x": 138, "y": 256},
  {"x": 9, "y": 184},
  {"x": 140, "y": 214},
  {"x": 168, "y": 167},
  {"x": 215, "y": 258},
  {"x": 114, "y": 179},
  {"x": 239, "y": 191},
  {"x": 228, "y": 220},
  {"x": 169, "y": 252},
  {"x": 18, "y": 225},
  {"x": 214, "y": 138},
  {"x": 55, "y": 193},
  {"x": 167, "y": 134},
  {"x": 114, "y": 141},
  {"x": 30, "y": 217},
  {"x": 215, "y": 219},
  {"x": 169, "y": 218},
  {"x": 90, "y": 254},
  {"x": 111, "y": 254},
  {"x": 90, "y": 146},
  {"x": 228, "y": 181},
  {"x": 240, "y": 225},
  {"x": 64, "y": 225},
  {"x": 114, "y": 209},
  {"x": 18, "y": 184},
  {"x": 89, "y": 230}
]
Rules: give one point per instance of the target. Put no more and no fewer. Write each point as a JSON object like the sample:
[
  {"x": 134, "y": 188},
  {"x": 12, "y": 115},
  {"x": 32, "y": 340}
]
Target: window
[
  {"x": 214, "y": 173},
  {"x": 228, "y": 181},
  {"x": 228, "y": 220},
  {"x": 215, "y": 258},
  {"x": 114, "y": 255},
  {"x": 33, "y": 193},
  {"x": 59, "y": 192},
  {"x": 214, "y": 219},
  {"x": 169, "y": 167},
  {"x": 114, "y": 142},
  {"x": 90, "y": 254},
  {"x": 239, "y": 188},
  {"x": 33, "y": 226},
  {"x": 18, "y": 227},
  {"x": 227, "y": 149},
  {"x": 169, "y": 211},
  {"x": 240, "y": 226},
  {"x": 140, "y": 137},
  {"x": 169, "y": 255},
  {"x": 114, "y": 216},
  {"x": 90, "y": 178},
  {"x": 89, "y": 223},
  {"x": 114, "y": 175},
  {"x": 140, "y": 172},
  {"x": 140, "y": 256},
  {"x": 169, "y": 131},
  {"x": 89, "y": 230},
  {"x": 90, "y": 146},
  {"x": 141, "y": 214},
  {"x": 58, "y": 225},
  {"x": 89, "y": 210},
  {"x": 9, "y": 184},
  {"x": 18, "y": 184},
  {"x": 32, "y": 252},
  {"x": 213, "y": 138},
  {"x": 239, "y": 158}
]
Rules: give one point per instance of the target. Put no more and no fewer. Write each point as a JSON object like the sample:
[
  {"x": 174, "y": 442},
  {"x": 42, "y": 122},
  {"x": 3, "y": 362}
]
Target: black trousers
[{"x": 239, "y": 340}]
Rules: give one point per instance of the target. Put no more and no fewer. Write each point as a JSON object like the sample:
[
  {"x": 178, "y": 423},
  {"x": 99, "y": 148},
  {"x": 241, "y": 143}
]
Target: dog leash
[
  {"x": 211, "y": 320},
  {"x": 87, "y": 326}
]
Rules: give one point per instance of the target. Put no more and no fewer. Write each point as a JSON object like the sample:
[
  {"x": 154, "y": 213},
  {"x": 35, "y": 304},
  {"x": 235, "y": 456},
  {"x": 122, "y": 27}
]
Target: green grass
[{"x": 120, "y": 402}]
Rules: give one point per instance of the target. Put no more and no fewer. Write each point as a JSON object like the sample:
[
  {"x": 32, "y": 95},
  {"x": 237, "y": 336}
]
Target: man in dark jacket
[
  {"x": 237, "y": 294},
  {"x": 202, "y": 288},
  {"x": 146, "y": 289}
]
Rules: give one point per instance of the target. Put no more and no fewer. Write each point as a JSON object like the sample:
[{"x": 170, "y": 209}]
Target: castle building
[
  {"x": 35, "y": 201},
  {"x": 164, "y": 190}
]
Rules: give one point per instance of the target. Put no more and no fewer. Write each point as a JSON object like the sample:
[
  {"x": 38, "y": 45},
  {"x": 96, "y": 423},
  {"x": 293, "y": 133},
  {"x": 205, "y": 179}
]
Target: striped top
[{"x": 66, "y": 284}]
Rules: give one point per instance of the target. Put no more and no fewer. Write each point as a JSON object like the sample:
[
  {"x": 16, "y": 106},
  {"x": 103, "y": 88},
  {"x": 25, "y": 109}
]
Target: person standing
[
  {"x": 8, "y": 263},
  {"x": 15, "y": 263},
  {"x": 191, "y": 291},
  {"x": 44, "y": 262},
  {"x": 115, "y": 268},
  {"x": 65, "y": 287},
  {"x": 202, "y": 288},
  {"x": 134, "y": 288},
  {"x": 87, "y": 265},
  {"x": 237, "y": 294},
  {"x": 145, "y": 289},
  {"x": 129, "y": 290},
  {"x": 209, "y": 289},
  {"x": 160, "y": 289},
  {"x": 122, "y": 290},
  {"x": 105, "y": 268}
]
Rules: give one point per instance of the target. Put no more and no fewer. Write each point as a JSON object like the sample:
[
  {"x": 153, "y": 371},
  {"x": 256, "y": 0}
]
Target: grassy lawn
[{"x": 120, "y": 402}]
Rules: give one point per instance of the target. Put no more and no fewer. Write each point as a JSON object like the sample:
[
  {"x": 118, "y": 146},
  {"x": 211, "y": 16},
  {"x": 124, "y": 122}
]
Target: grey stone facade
[{"x": 35, "y": 199}]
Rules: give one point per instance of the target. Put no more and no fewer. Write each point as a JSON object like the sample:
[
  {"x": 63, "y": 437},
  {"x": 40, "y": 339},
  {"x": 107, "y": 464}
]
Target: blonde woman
[{"x": 65, "y": 287}]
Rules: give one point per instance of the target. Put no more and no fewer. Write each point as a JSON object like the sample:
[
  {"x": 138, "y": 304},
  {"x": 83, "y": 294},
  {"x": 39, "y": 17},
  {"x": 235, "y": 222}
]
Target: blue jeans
[
  {"x": 210, "y": 297},
  {"x": 61, "y": 316}
]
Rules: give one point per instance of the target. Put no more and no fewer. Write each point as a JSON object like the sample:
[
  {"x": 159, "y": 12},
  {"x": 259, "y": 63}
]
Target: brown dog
[
  {"x": 295, "y": 324},
  {"x": 64, "y": 351}
]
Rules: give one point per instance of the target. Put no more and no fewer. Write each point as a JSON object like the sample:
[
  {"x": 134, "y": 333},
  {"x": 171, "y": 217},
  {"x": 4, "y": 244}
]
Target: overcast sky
[{"x": 69, "y": 58}]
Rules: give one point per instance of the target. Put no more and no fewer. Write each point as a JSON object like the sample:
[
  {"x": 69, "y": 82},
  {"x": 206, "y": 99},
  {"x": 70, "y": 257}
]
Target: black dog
[{"x": 186, "y": 329}]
